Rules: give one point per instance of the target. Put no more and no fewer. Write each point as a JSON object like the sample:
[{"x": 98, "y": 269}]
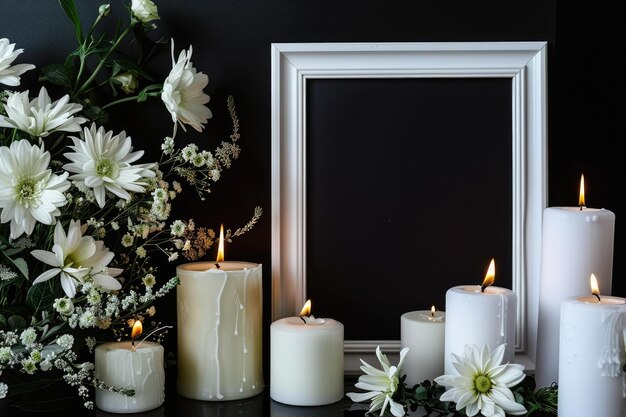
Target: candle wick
[
  {"x": 581, "y": 208},
  {"x": 598, "y": 297},
  {"x": 217, "y": 265},
  {"x": 483, "y": 287},
  {"x": 303, "y": 319}
]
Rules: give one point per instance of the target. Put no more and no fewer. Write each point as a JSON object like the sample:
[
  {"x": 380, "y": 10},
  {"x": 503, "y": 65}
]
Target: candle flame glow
[
  {"x": 581, "y": 197},
  {"x": 490, "y": 276},
  {"x": 306, "y": 309},
  {"x": 220, "y": 247},
  {"x": 432, "y": 311},
  {"x": 595, "y": 290},
  {"x": 137, "y": 329}
]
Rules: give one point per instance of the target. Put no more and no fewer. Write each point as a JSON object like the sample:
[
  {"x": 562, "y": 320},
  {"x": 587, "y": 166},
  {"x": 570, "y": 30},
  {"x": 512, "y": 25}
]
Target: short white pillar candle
[
  {"x": 306, "y": 361},
  {"x": 423, "y": 333},
  {"x": 139, "y": 368},
  {"x": 591, "y": 357}
]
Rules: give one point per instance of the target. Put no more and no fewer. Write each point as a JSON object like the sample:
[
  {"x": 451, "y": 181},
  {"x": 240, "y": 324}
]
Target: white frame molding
[{"x": 293, "y": 64}]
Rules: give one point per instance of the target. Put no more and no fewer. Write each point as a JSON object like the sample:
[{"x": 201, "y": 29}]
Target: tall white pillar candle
[
  {"x": 306, "y": 361},
  {"x": 423, "y": 333},
  {"x": 575, "y": 244},
  {"x": 478, "y": 318},
  {"x": 140, "y": 369},
  {"x": 219, "y": 330},
  {"x": 591, "y": 379}
]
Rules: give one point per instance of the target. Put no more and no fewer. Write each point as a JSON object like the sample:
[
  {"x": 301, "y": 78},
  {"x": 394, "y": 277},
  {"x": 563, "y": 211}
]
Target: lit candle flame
[
  {"x": 581, "y": 196},
  {"x": 220, "y": 247},
  {"x": 490, "y": 276},
  {"x": 595, "y": 290},
  {"x": 137, "y": 330},
  {"x": 432, "y": 311},
  {"x": 306, "y": 309}
]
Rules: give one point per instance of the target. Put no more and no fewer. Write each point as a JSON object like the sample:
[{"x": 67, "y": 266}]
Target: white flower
[
  {"x": 4, "y": 390},
  {"x": 144, "y": 10},
  {"x": 128, "y": 82},
  {"x": 28, "y": 337},
  {"x": 40, "y": 117},
  {"x": 102, "y": 161},
  {"x": 178, "y": 228},
  {"x": 75, "y": 256},
  {"x": 10, "y": 75},
  {"x": 483, "y": 383},
  {"x": 66, "y": 341},
  {"x": 63, "y": 306},
  {"x": 183, "y": 93},
  {"x": 381, "y": 384},
  {"x": 29, "y": 191}
]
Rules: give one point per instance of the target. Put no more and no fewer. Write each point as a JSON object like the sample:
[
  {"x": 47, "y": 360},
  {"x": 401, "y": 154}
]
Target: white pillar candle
[
  {"x": 306, "y": 361},
  {"x": 591, "y": 379},
  {"x": 478, "y": 318},
  {"x": 423, "y": 333},
  {"x": 140, "y": 369},
  {"x": 575, "y": 243},
  {"x": 219, "y": 330},
  {"x": 331, "y": 410}
]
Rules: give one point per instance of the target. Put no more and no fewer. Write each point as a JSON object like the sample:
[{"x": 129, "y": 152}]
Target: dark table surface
[{"x": 175, "y": 405}]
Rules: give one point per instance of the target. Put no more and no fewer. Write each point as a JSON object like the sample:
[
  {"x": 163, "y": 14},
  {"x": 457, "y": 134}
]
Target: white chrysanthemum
[
  {"x": 102, "y": 162},
  {"x": 381, "y": 384},
  {"x": 75, "y": 256},
  {"x": 29, "y": 191},
  {"x": 144, "y": 10},
  {"x": 482, "y": 385},
  {"x": 183, "y": 93},
  {"x": 10, "y": 75},
  {"x": 41, "y": 116}
]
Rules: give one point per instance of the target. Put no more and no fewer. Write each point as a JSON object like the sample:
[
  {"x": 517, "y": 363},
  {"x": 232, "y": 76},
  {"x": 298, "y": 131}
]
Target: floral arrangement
[
  {"x": 81, "y": 218},
  {"x": 483, "y": 386}
]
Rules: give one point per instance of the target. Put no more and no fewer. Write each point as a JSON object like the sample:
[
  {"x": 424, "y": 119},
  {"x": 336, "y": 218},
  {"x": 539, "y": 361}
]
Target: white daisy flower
[
  {"x": 183, "y": 93},
  {"x": 41, "y": 116},
  {"x": 74, "y": 257},
  {"x": 29, "y": 191},
  {"x": 381, "y": 384},
  {"x": 10, "y": 75},
  {"x": 102, "y": 161},
  {"x": 482, "y": 385}
]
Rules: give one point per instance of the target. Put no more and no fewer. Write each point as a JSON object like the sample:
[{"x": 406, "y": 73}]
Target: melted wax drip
[{"x": 611, "y": 355}]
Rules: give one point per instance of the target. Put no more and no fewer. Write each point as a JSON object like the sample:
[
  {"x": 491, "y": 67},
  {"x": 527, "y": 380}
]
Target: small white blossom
[
  {"x": 28, "y": 337},
  {"x": 149, "y": 280},
  {"x": 87, "y": 319},
  {"x": 173, "y": 256},
  {"x": 66, "y": 341},
  {"x": 189, "y": 152},
  {"x": 178, "y": 228},
  {"x": 4, "y": 390},
  {"x": 28, "y": 366},
  {"x": 63, "y": 306},
  {"x": 115, "y": 226},
  {"x": 6, "y": 354},
  {"x": 177, "y": 187},
  {"x": 168, "y": 146},
  {"x": 144, "y": 10},
  {"x": 127, "y": 240},
  {"x": 6, "y": 274},
  {"x": 90, "y": 342}
]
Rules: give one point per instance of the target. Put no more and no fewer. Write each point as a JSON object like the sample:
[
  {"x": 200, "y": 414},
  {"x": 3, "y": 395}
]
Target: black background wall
[{"x": 232, "y": 38}]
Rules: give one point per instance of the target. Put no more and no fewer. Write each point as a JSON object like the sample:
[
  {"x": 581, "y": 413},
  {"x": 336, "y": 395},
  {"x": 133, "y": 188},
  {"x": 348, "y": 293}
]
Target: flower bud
[
  {"x": 144, "y": 10},
  {"x": 128, "y": 82},
  {"x": 104, "y": 10}
]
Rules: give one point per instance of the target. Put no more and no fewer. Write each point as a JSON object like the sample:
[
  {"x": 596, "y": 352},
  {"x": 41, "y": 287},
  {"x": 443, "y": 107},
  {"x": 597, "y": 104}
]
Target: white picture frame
[{"x": 524, "y": 63}]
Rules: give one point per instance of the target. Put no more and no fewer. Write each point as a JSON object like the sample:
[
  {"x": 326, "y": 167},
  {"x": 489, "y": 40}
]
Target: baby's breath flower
[
  {"x": 168, "y": 146},
  {"x": 66, "y": 341},
  {"x": 151, "y": 311},
  {"x": 4, "y": 390},
  {"x": 141, "y": 252},
  {"x": 5, "y": 354},
  {"x": 90, "y": 342},
  {"x": 28, "y": 337},
  {"x": 94, "y": 297},
  {"x": 115, "y": 226},
  {"x": 6, "y": 273},
  {"x": 127, "y": 240},
  {"x": 87, "y": 319},
  {"x": 149, "y": 280},
  {"x": 173, "y": 256},
  {"x": 178, "y": 228},
  {"x": 177, "y": 187},
  {"x": 189, "y": 152},
  {"x": 187, "y": 245},
  {"x": 198, "y": 160}
]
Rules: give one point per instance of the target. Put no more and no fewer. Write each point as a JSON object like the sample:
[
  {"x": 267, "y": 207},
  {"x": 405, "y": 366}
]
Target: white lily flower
[
  {"x": 102, "y": 161},
  {"x": 29, "y": 191},
  {"x": 183, "y": 93},
  {"x": 483, "y": 383},
  {"x": 144, "y": 10},
  {"x": 74, "y": 257},
  {"x": 41, "y": 116},
  {"x": 10, "y": 75},
  {"x": 381, "y": 384}
]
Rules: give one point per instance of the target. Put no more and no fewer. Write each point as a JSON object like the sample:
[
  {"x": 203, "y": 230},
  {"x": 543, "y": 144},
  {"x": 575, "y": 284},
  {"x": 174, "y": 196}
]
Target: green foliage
[{"x": 70, "y": 9}]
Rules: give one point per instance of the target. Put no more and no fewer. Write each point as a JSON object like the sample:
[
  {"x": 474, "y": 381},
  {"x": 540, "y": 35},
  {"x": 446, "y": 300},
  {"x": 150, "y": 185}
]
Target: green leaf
[
  {"x": 3, "y": 322},
  {"x": 70, "y": 10},
  {"x": 40, "y": 296},
  {"x": 60, "y": 74},
  {"x": 16, "y": 322},
  {"x": 21, "y": 266},
  {"x": 96, "y": 114}
]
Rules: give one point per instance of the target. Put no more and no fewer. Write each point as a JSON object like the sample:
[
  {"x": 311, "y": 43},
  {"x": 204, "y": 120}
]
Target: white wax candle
[
  {"x": 219, "y": 330},
  {"x": 423, "y": 334},
  {"x": 478, "y": 318},
  {"x": 306, "y": 361},
  {"x": 281, "y": 410},
  {"x": 575, "y": 244},
  {"x": 141, "y": 369},
  {"x": 591, "y": 379}
]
